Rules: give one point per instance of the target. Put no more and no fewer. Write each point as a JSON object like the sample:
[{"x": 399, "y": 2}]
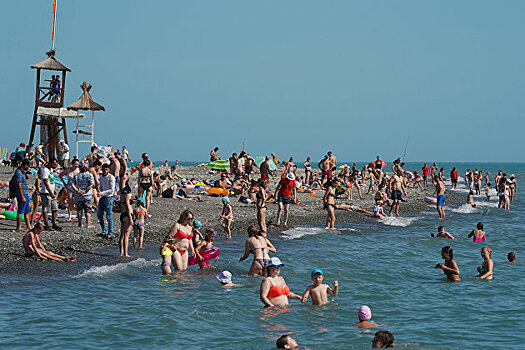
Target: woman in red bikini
[
  {"x": 182, "y": 232},
  {"x": 274, "y": 291}
]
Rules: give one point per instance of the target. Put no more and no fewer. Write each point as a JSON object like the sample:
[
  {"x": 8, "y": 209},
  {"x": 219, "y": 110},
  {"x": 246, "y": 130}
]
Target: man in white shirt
[
  {"x": 64, "y": 154},
  {"x": 125, "y": 154},
  {"x": 105, "y": 203},
  {"x": 49, "y": 195}
]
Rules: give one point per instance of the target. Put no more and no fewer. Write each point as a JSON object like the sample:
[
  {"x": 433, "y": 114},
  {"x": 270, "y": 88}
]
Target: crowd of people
[{"x": 101, "y": 182}]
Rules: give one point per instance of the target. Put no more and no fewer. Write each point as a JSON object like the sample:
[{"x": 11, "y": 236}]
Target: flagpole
[{"x": 54, "y": 21}]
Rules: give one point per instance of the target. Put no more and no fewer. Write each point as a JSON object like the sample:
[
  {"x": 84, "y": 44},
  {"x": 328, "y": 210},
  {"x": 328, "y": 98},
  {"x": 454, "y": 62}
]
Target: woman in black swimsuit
[
  {"x": 329, "y": 202},
  {"x": 450, "y": 267},
  {"x": 126, "y": 219},
  {"x": 145, "y": 182},
  {"x": 261, "y": 205}
]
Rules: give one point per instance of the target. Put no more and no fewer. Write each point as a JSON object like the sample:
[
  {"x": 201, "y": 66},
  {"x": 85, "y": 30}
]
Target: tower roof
[
  {"x": 86, "y": 102},
  {"x": 51, "y": 63}
]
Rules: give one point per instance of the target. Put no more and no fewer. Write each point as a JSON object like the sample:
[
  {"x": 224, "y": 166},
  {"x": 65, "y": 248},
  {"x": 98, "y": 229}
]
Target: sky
[{"x": 296, "y": 78}]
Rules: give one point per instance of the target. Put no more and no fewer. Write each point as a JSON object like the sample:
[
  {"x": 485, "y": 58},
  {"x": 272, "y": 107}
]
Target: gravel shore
[{"x": 92, "y": 250}]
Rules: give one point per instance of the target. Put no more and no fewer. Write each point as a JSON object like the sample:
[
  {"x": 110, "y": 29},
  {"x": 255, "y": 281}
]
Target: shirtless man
[
  {"x": 171, "y": 174},
  {"x": 265, "y": 169},
  {"x": 433, "y": 169},
  {"x": 94, "y": 170},
  {"x": 223, "y": 182},
  {"x": 213, "y": 154},
  {"x": 397, "y": 189},
  {"x": 92, "y": 157},
  {"x": 114, "y": 169},
  {"x": 333, "y": 161},
  {"x": 440, "y": 192},
  {"x": 324, "y": 165}
]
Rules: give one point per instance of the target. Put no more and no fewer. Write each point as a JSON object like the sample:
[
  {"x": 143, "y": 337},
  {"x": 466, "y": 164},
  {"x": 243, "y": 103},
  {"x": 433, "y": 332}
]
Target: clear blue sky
[{"x": 290, "y": 77}]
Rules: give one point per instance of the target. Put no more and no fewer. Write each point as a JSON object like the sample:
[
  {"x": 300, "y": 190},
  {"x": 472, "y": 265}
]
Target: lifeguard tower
[
  {"x": 49, "y": 113},
  {"x": 85, "y": 133}
]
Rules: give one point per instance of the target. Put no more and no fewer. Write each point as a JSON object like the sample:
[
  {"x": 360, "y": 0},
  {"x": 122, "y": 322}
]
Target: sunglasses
[{"x": 189, "y": 218}]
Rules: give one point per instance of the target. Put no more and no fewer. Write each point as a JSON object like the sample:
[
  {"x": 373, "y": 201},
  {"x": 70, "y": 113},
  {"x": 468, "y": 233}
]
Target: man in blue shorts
[{"x": 440, "y": 192}]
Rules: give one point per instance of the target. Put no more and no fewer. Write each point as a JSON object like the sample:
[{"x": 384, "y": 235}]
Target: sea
[{"x": 385, "y": 264}]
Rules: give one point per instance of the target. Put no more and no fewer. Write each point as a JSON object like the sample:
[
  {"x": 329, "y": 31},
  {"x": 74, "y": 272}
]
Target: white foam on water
[
  {"x": 101, "y": 271},
  {"x": 301, "y": 231},
  {"x": 465, "y": 209},
  {"x": 397, "y": 221}
]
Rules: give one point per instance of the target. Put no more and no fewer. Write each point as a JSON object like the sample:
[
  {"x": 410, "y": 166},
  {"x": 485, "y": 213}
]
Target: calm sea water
[{"x": 387, "y": 265}]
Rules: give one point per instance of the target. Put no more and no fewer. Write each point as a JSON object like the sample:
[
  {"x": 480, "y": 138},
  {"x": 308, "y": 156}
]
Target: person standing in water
[
  {"x": 396, "y": 185},
  {"x": 450, "y": 267},
  {"x": 485, "y": 269},
  {"x": 440, "y": 192}
]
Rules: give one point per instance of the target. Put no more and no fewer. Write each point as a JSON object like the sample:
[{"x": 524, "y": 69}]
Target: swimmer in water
[
  {"x": 470, "y": 200},
  {"x": 365, "y": 318},
  {"x": 511, "y": 257},
  {"x": 450, "y": 267},
  {"x": 478, "y": 234},
  {"x": 485, "y": 269},
  {"x": 286, "y": 342},
  {"x": 442, "y": 233},
  {"x": 166, "y": 251},
  {"x": 383, "y": 339},
  {"x": 225, "y": 277},
  {"x": 319, "y": 290}
]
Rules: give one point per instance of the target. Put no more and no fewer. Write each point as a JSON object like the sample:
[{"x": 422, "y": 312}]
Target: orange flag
[{"x": 54, "y": 16}]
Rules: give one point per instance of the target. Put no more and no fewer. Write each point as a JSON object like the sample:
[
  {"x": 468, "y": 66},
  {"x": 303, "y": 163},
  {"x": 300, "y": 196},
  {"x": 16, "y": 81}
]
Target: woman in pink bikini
[
  {"x": 182, "y": 232},
  {"x": 478, "y": 234}
]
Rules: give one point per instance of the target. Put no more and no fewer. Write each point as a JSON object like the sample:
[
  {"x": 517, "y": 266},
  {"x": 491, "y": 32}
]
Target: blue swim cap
[
  {"x": 197, "y": 224},
  {"x": 316, "y": 271},
  {"x": 226, "y": 199}
]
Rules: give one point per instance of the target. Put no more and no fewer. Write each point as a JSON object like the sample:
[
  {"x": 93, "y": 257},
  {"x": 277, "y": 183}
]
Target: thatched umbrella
[{"x": 86, "y": 103}]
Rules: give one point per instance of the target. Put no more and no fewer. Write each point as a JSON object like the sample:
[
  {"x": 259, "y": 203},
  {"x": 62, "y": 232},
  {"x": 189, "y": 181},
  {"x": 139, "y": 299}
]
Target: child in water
[
  {"x": 442, "y": 233},
  {"x": 205, "y": 246},
  {"x": 487, "y": 192},
  {"x": 225, "y": 277},
  {"x": 227, "y": 215},
  {"x": 319, "y": 290},
  {"x": 166, "y": 251},
  {"x": 511, "y": 257},
  {"x": 139, "y": 215},
  {"x": 33, "y": 246},
  {"x": 197, "y": 235},
  {"x": 378, "y": 209},
  {"x": 365, "y": 317}
]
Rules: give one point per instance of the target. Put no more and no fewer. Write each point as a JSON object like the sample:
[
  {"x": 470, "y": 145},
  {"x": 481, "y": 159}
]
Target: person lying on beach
[
  {"x": 319, "y": 290},
  {"x": 286, "y": 342},
  {"x": 175, "y": 192},
  {"x": 365, "y": 317},
  {"x": 351, "y": 207},
  {"x": 486, "y": 268},
  {"x": 383, "y": 339},
  {"x": 470, "y": 200},
  {"x": 225, "y": 277},
  {"x": 450, "y": 268},
  {"x": 442, "y": 233},
  {"x": 33, "y": 246},
  {"x": 260, "y": 246}
]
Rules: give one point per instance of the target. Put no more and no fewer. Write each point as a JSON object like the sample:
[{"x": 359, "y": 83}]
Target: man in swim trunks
[
  {"x": 424, "y": 171},
  {"x": 333, "y": 161},
  {"x": 454, "y": 177},
  {"x": 285, "y": 193},
  {"x": 265, "y": 169},
  {"x": 440, "y": 192},
  {"x": 325, "y": 166},
  {"x": 397, "y": 188}
]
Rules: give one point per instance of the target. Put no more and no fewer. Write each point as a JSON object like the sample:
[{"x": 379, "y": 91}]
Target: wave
[
  {"x": 465, "y": 209},
  {"x": 301, "y": 231},
  {"x": 102, "y": 271},
  {"x": 397, "y": 221}
]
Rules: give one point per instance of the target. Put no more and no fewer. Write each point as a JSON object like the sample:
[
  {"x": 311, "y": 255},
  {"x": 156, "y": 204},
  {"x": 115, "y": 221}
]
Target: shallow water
[{"x": 385, "y": 264}]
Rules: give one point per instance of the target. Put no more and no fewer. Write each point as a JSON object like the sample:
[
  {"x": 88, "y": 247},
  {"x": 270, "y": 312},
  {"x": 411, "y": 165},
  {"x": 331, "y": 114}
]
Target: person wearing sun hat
[
  {"x": 274, "y": 291},
  {"x": 225, "y": 277},
  {"x": 365, "y": 317},
  {"x": 285, "y": 193}
]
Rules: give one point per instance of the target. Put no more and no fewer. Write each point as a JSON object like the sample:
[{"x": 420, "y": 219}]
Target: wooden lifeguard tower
[{"x": 50, "y": 96}]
